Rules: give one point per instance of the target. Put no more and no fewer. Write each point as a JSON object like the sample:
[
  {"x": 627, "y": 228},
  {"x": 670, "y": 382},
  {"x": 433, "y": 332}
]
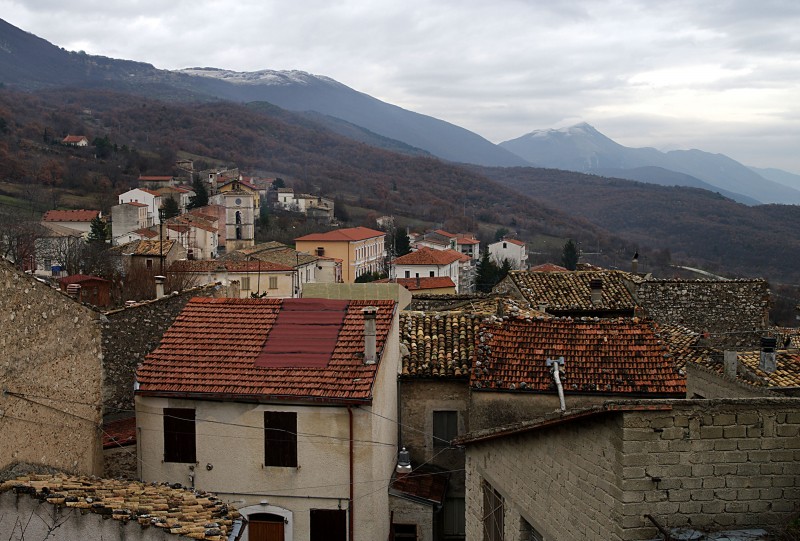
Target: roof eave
[{"x": 256, "y": 398}]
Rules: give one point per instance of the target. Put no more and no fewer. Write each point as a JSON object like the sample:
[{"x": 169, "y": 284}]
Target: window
[
  {"x": 492, "y": 514},
  {"x": 432, "y": 274},
  {"x": 529, "y": 533},
  {"x": 505, "y": 245},
  {"x": 454, "y": 518},
  {"x": 328, "y": 524},
  {"x": 408, "y": 274},
  {"x": 445, "y": 427},
  {"x": 148, "y": 263},
  {"x": 404, "y": 532},
  {"x": 179, "y": 435},
  {"x": 273, "y": 282},
  {"x": 245, "y": 283},
  {"x": 280, "y": 439}
]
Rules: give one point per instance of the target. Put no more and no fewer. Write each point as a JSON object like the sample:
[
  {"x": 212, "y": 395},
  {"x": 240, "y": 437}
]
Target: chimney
[
  {"x": 160, "y": 286},
  {"x": 596, "y": 286},
  {"x": 730, "y": 364},
  {"x": 767, "y": 361},
  {"x": 369, "y": 334},
  {"x": 233, "y": 289},
  {"x": 417, "y": 281},
  {"x": 635, "y": 263}
]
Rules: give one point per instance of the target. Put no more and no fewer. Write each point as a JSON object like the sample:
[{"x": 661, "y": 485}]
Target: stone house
[
  {"x": 50, "y": 376},
  {"x": 91, "y": 509},
  {"x": 300, "y": 431},
  {"x": 360, "y": 249},
  {"x": 428, "y": 262},
  {"x": 576, "y": 293},
  {"x": 614, "y": 471},
  {"x": 126, "y": 218},
  {"x": 151, "y": 198},
  {"x": 513, "y": 250},
  {"x": 147, "y": 255}
]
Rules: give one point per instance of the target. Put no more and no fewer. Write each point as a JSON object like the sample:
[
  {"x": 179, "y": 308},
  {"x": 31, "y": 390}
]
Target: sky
[{"x": 721, "y": 76}]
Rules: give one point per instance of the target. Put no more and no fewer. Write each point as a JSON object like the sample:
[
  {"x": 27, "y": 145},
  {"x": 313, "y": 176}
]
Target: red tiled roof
[
  {"x": 514, "y": 241},
  {"x": 349, "y": 234},
  {"x": 74, "y": 138},
  {"x": 146, "y": 232},
  {"x": 151, "y": 192},
  {"x": 135, "y": 204},
  {"x": 602, "y": 356},
  {"x": 210, "y": 265},
  {"x": 211, "y": 348},
  {"x": 423, "y": 282},
  {"x": 80, "y": 278},
  {"x": 443, "y": 233},
  {"x": 155, "y": 178},
  {"x": 119, "y": 433},
  {"x": 70, "y": 215},
  {"x": 465, "y": 240},
  {"x": 428, "y": 486},
  {"x": 429, "y": 256},
  {"x": 548, "y": 267}
]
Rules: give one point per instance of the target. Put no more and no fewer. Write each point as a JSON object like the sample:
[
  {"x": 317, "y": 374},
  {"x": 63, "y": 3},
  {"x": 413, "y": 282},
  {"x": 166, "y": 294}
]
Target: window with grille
[
  {"x": 280, "y": 439},
  {"x": 179, "y": 435},
  {"x": 445, "y": 427},
  {"x": 493, "y": 509}
]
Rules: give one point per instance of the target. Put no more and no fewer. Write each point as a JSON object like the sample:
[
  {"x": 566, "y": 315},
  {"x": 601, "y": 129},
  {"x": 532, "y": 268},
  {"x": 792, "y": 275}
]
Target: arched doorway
[{"x": 265, "y": 527}]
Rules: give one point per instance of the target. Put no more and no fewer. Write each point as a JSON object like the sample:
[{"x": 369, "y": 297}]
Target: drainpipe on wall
[
  {"x": 350, "y": 514},
  {"x": 554, "y": 364}
]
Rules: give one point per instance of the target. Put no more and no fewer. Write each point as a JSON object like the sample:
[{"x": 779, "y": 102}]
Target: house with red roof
[
  {"x": 155, "y": 182},
  {"x": 286, "y": 406},
  {"x": 429, "y": 262},
  {"x": 78, "y": 220},
  {"x": 75, "y": 141},
  {"x": 361, "y": 249},
  {"x": 438, "y": 285},
  {"x": 151, "y": 198},
  {"x": 242, "y": 278},
  {"x": 513, "y": 250}
]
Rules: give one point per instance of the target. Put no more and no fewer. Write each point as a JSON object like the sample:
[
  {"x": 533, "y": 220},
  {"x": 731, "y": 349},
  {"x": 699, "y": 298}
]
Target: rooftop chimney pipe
[
  {"x": 160, "y": 286},
  {"x": 554, "y": 364},
  {"x": 635, "y": 263},
  {"x": 596, "y": 286},
  {"x": 730, "y": 364},
  {"x": 370, "y": 312}
]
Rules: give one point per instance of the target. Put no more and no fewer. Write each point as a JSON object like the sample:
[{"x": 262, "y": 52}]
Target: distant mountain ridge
[{"x": 583, "y": 149}]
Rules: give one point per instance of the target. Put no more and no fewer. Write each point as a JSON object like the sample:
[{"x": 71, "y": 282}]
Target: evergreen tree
[
  {"x": 487, "y": 273},
  {"x": 170, "y": 208},
  {"x": 402, "y": 244},
  {"x": 569, "y": 257},
  {"x": 200, "y": 197},
  {"x": 98, "y": 230},
  {"x": 504, "y": 269}
]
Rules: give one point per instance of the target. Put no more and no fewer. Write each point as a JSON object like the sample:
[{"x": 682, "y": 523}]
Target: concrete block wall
[
  {"x": 720, "y": 464},
  {"x": 561, "y": 481},
  {"x": 709, "y": 464}
]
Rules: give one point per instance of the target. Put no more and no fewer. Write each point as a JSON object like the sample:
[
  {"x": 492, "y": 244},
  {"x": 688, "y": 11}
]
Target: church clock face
[{"x": 238, "y": 202}]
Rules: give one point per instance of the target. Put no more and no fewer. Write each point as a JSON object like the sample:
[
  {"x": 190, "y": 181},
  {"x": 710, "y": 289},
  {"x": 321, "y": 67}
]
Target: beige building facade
[{"x": 360, "y": 249}]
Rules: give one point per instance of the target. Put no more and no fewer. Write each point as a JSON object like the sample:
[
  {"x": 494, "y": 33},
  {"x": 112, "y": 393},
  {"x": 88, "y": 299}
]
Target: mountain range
[{"x": 28, "y": 62}]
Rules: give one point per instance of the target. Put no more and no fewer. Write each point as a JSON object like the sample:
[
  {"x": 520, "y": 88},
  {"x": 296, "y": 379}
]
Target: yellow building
[{"x": 361, "y": 249}]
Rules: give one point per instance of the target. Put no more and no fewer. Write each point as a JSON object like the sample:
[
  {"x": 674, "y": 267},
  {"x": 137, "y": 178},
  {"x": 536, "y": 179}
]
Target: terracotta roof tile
[
  {"x": 211, "y": 265},
  {"x": 427, "y": 486},
  {"x": 70, "y": 215},
  {"x": 180, "y": 511},
  {"x": 548, "y": 267},
  {"x": 211, "y": 348},
  {"x": 349, "y": 235},
  {"x": 787, "y": 373},
  {"x": 438, "y": 344},
  {"x": 571, "y": 291},
  {"x": 621, "y": 356},
  {"x": 119, "y": 433},
  {"x": 423, "y": 282},
  {"x": 135, "y": 204},
  {"x": 74, "y": 139},
  {"x": 429, "y": 256}
]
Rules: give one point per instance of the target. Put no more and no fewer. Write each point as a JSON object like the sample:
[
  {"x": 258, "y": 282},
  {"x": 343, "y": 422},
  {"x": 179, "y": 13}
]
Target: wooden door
[{"x": 265, "y": 529}]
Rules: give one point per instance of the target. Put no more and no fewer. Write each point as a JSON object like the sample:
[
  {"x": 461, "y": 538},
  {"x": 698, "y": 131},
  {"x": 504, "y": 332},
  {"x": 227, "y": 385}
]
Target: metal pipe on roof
[{"x": 553, "y": 364}]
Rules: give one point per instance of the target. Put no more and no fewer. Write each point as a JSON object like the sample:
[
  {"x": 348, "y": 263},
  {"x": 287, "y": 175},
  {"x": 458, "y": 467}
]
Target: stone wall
[
  {"x": 704, "y": 383},
  {"x": 407, "y": 512},
  {"x": 129, "y": 334},
  {"x": 50, "y": 375},
  {"x": 491, "y": 408},
  {"x": 716, "y": 306},
  {"x": 708, "y": 464},
  {"x": 120, "y": 462}
]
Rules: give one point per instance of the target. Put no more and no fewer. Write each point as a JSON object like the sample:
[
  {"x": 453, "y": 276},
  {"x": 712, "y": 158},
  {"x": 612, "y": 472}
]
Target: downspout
[{"x": 350, "y": 412}]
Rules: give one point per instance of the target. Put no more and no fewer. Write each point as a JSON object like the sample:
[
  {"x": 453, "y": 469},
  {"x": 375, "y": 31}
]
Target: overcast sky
[{"x": 722, "y": 76}]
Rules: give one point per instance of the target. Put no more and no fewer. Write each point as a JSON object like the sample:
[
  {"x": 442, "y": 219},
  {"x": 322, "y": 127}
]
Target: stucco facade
[
  {"x": 50, "y": 375},
  {"x": 361, "y": 250}
]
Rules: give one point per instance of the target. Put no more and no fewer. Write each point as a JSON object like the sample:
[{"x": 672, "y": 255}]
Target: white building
[
  {"x": 429, "y": 262},
  {"x": 511, "y": 249}
]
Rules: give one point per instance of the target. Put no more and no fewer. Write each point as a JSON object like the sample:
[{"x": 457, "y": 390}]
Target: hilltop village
[{"x": 166, "y": 376}]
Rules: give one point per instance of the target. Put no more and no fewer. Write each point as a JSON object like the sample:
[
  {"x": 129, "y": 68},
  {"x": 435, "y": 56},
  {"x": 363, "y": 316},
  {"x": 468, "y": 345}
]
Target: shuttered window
[
  {"x": 445, "y": 427},
  {"x": 280, "y": 439},
  {"x": 179, "y": 435},
  {"x": 328, "y": 524}
]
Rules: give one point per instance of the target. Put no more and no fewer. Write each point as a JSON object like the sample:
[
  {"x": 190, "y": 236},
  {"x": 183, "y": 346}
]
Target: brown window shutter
[{"x": 280, "y": 439}]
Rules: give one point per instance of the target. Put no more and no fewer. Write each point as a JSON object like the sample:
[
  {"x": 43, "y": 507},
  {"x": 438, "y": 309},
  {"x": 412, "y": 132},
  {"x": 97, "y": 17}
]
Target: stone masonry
[{"x": 704, "y": 464}]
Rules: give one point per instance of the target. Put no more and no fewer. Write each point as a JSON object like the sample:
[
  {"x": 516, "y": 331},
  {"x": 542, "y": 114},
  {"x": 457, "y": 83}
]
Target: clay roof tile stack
[{"x": 176, "y": 510}]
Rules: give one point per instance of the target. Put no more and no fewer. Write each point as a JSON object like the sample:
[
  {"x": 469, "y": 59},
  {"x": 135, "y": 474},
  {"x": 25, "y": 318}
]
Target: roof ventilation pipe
[
  {"x": 767, "y": 361},
  {"x": 553, "y": 364},
  {"x": 370, "y": 313}
]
